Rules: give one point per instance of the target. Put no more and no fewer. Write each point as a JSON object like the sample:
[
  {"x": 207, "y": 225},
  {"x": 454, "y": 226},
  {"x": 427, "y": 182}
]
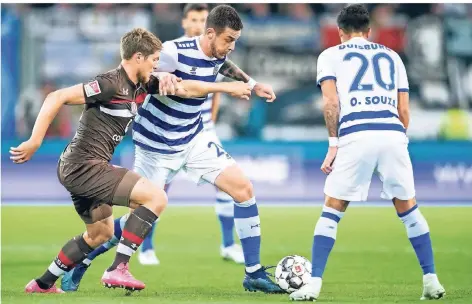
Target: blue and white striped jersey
[
  {"x": 368, "y": 78},
  {"x": 167, "y": 124},
  {"x": 207, "y": 107}
]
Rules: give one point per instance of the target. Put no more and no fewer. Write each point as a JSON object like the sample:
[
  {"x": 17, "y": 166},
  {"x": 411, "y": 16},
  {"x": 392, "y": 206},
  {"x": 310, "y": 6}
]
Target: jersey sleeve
[
  {"x": 324, "y": 68},
  {"x": 168, "y": 58},
  {"x": 101, "y": 89},
  {"x": 403, "y": 85}
]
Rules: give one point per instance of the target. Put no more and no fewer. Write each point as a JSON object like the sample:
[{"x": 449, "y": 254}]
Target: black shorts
[{"x": 93, "y": 183}]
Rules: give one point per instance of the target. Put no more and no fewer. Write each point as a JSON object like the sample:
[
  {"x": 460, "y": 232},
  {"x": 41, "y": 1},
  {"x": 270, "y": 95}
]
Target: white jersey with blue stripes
[
  {"x": 207, "y": 108},
  {"x": 167, "y": 124},
  {"x": 368, "y": 78}
]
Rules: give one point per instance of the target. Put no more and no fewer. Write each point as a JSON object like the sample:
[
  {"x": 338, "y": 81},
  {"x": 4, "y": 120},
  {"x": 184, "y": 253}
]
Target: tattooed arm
[
  {"x": 331, "y": 115},
  {"x": 331, "y": 106},
  {"x": 231, "y": 70}
]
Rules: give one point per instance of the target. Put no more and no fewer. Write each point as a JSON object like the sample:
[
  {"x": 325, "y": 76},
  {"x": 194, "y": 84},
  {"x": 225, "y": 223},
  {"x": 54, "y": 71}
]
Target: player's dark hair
[
  {"x": 197, "y": 7},
  {"x": 223, "y": 16},
  {"x": 354, "y": 19},
  {"x": 139, "y": 40}
]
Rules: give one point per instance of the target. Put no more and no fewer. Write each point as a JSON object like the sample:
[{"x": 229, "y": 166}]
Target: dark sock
[
  {"x": 73, "y": 252},
  {"x": 138, "y": 225}
]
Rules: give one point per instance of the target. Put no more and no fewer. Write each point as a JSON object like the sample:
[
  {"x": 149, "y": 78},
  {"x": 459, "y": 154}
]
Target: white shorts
[
  {"x": 203, "y": 161},
  {"x": 383, "y": 153}
]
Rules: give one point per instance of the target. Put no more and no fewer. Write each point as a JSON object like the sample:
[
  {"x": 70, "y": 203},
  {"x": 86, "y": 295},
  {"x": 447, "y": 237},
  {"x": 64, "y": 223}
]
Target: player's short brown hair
[{"x": 139, "y": 40}]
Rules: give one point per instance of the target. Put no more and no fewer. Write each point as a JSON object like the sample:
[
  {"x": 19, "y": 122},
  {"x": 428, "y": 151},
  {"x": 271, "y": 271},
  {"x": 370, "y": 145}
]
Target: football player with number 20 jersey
[{"x": 365, "y": 94}]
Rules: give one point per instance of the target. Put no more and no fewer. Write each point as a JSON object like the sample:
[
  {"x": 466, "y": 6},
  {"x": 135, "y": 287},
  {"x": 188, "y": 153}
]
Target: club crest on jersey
[
  {"x": 124, "y": 91},
  {"x": 193, "y": 71},
  {"x": 134, "y": 108},
  {"x": 92, "y": 88}
]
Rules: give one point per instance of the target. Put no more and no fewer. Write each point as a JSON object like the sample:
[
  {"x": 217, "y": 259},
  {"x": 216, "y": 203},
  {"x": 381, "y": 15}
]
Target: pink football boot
[
  {"x": 122, "y": 278},
  {"x": 33, "y": 287}
]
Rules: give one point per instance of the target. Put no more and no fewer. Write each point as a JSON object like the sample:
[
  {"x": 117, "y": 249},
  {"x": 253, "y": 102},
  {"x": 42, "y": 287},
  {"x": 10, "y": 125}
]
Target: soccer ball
[{"x": 292, "y": 272}]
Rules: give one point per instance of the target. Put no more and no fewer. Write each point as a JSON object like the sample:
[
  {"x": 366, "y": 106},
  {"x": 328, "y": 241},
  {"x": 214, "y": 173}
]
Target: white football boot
[
  {"x": 233, "y": 253},
  {"x": 432, "y": 289},
  {"x": 148, "y": 257},
  {"x": 308, "y": 292}
]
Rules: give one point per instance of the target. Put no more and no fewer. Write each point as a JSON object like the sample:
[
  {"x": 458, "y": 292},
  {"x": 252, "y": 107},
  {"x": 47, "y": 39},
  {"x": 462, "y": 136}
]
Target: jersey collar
[{"x": 131, "y": 83}]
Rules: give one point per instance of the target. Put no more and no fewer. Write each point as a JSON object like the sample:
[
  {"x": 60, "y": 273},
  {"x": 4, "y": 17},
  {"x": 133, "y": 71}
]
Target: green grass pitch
[{"x": 372, "y": 260}]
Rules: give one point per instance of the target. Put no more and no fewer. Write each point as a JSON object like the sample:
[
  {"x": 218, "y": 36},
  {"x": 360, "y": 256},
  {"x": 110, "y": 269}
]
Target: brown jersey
[{"x": 111, "y": 102}]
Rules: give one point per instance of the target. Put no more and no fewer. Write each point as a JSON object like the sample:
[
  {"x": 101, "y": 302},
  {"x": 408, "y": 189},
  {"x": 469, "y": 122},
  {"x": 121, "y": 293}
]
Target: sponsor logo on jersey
[{"x": 117, "y": 138}]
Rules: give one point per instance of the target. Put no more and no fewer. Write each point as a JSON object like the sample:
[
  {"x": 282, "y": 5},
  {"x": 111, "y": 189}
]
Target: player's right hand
[
  {"x": 168, "y": 83},
  {"x": 240, "y": 89},
  {"x": 327, "y": 165},
  {"x": 23, "y": 152}
]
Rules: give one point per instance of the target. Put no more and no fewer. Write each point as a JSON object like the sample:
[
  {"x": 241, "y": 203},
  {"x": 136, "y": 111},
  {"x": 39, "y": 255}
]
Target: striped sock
[
  {"x": 248, "y": 226},
  {"x": 73, "y": 252},
  {"x": 417, "y": 230},
  {"x": 225, "y": 211},
  {"x": 137, "y": 226},
  {"x": 324, "y": 238}
]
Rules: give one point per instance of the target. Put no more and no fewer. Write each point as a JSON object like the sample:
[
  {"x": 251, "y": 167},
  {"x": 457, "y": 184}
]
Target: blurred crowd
[
  {"x": 58, "y": 38},
  {"x": 107, "y": 21}
]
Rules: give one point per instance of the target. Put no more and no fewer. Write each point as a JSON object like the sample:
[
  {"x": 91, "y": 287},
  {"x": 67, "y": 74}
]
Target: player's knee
[
  {"x": 149, "y": 195},
  {"x": 335, "y": 203},
  {"x": 244, "y": 192},
  {"x": 156, "y": 199},
  {"x": 403, "y": 206}
]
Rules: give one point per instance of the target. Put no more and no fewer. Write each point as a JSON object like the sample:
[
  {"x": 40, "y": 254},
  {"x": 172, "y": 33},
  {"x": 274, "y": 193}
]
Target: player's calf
[
  {"x": 248, "y": 226},
  {"x": 418, "y": 232},
  {"x": 72, "y": 253},
  {"x": 325, "y": 234},
  {"x": 99, "y": 232},
  {"x": 71, "y": 280},
  {"x": 151, "y": 201},
  {"x": 224, "y": 208},
  {"x": 246, "y": 214}
]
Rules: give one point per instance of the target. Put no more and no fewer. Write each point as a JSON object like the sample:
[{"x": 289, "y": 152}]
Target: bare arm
[
  {"x": 49, "y": 110},
  {"x": 331, "y": 106},
  {"x": 51, "y": 106},
  {"x": 195, "y": 88},
  {"x": 231, "y": 70},
  {"x": 404, "y": 108},
  {"x": 215, "y": 106}
]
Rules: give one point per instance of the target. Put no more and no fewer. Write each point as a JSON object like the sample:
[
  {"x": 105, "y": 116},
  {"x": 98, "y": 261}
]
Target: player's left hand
[
  {"x": 168, "y": 83},
  {"x": 264, "y": 91},
  {"x": 327, "y": 165},
  {"x": 23, "y": 152}
]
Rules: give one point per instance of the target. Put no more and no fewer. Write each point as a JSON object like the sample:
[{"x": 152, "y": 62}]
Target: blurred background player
[
  {"x": 168, "y": 138},
  {"x": 193, "y": 23},
  {"x": 365, "y": 91}
]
